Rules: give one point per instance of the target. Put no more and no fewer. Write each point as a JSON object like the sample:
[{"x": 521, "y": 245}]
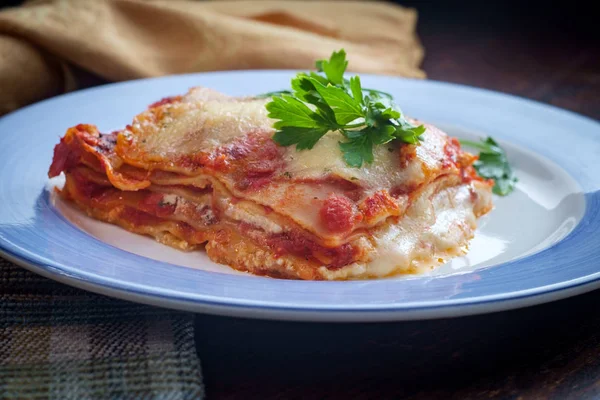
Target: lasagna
[{"x": 201, "y": 171}]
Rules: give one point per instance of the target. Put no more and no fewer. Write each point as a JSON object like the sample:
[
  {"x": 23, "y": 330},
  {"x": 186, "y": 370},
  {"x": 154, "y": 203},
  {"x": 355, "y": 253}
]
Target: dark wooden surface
[
  {"x": 544, "y": 352},
  {"x": 550, "y": 351}
]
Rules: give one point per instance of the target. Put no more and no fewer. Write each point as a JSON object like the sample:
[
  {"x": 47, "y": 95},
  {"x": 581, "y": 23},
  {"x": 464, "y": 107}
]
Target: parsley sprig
[
  {"x": 325, "y": 101},
  {"x": 493, "y": 164}
]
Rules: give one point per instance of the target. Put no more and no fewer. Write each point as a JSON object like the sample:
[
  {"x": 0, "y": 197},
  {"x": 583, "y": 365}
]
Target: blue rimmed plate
[{"x": 540, "y": 244}]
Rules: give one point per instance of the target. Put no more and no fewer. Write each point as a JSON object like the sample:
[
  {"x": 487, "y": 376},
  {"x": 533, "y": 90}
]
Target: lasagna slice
[{"x": 201, "y": 170}]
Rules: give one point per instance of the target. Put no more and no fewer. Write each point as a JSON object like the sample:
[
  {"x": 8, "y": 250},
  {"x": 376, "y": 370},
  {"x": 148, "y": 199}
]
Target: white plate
[{"x": 539, "y": 244}]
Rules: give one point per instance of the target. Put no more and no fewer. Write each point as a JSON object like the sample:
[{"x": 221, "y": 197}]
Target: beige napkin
[{"x": 127, "y": 39}]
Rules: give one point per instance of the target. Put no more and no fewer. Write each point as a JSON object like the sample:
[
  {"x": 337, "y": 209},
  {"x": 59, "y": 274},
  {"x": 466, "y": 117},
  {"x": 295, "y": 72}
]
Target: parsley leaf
[
  {"x": 345, "y": 107},
  {"x": 357, "y": 150},
  {"x": 334, "y": 67},
  {"x": 493, "y": 164},
  {"x": 292, "y": 112},
  {"x": 377, "y": 94},
  {"x": 303, "y": 138},
  {"x": 319, "y": 103},
  {"x": 356, "y": 89},
  {"x": 276, "y": 93}
]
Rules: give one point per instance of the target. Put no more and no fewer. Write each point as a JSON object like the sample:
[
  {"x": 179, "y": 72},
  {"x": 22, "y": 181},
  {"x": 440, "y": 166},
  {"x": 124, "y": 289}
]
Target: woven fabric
[
  {"x": 57, "y": 342},
  {"x": 118, "y": 40}
]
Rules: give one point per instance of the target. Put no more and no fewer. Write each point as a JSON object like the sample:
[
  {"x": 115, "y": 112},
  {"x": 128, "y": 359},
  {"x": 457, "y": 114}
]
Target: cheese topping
[
  {"x": 170, "y": 199},
  {"x": 243, "y": 213},
  {"x": 204, "y": 122},
  {"x": 433, "y": 229},
  {"x": 192, "y": 128},
  {"x": 384, "y": 172}
]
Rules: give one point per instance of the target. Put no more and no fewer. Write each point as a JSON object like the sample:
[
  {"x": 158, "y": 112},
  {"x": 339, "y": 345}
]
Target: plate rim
[{"x": 459, "y": 308}]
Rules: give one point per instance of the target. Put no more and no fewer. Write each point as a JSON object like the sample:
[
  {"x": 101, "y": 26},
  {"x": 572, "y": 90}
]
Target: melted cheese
[
  {"x": 245, "y": 212},
  {"x": 206, "y": 120},
  {"x": 437, "y": 226},
  {"x": 203, "y": 94},
  {"x": 170, "y": 199},
  {"x": 193, "y": 128},
  {"x": 385, "y": 172}
]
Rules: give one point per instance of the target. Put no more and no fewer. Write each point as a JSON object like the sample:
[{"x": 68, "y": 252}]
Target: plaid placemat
[{"x": 57, "y": 342}]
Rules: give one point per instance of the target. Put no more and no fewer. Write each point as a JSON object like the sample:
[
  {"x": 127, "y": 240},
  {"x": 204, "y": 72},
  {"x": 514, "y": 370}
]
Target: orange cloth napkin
[{"x": 127, "y": 39}]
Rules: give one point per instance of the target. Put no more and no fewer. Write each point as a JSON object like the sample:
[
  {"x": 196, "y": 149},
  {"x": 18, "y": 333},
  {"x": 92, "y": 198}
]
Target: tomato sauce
[
  {"x": 378, "y": 203},
  {"x": 63, "y": 159},
  {"x": 253, "y": 160},
  {"x": 294, "y": 243},
  {"x": 337, "y": 214},
  {"x": 154, "y": 204},
  {"x": 139, "y": 218},
  {"x": 452, "y": 152}
]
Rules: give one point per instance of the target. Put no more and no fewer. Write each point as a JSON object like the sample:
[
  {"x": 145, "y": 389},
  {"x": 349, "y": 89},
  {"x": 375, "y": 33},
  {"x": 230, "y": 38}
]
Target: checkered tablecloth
[{"x": 57, "y": 342}]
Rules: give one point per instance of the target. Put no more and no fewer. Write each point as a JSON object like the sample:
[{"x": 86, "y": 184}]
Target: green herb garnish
[
  {"x": 493, "y": 164},
  {"x": 273, "y": 94},
  {"x": 325, "y": 101}
]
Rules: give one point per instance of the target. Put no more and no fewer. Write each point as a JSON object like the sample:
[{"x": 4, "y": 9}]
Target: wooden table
[{"x": 548, "y": 351}]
